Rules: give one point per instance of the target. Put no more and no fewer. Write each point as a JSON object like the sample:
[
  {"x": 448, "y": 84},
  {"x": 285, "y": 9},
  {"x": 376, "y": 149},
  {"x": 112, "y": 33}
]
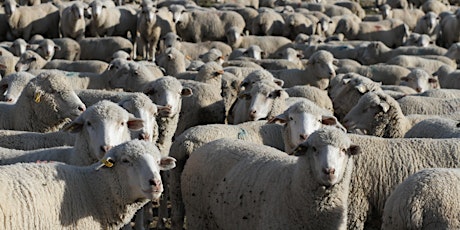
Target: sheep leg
[
  {"x": 177, "y": 206},
  {"x": 163, "y": 209}
]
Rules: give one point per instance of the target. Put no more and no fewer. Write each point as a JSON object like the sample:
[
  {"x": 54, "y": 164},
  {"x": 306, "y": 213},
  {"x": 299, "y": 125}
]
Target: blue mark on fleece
[{"x": 242, "y": 133}]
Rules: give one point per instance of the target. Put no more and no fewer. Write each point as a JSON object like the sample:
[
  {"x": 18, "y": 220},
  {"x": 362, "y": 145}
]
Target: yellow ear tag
[
  {"x": 107, "y": 162},
  {"x": 37, "y": 97}
]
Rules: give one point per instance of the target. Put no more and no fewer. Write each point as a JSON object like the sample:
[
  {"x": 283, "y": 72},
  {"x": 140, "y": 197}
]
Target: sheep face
[
  {"x": 420, "y": 80},
  {"x": 18, "y": 47},
  {"x": 49, "y": 92},
  {"x": 10, "y": 7},
  {"x": 261, "y": 98},
  {"x": 143, "y": 108},
  {"x": 47, "y": 48},
  {"x": 106, "y": 125},
  {"x": 322, "y": 64},
  {"x": 28, "y": 61},
  {"x": 96, "y": 8},
  {"x": 13, "y": 85},
  {"x": 171, "y": 40},
  {"x": 142, "y": 163},
  {"x": 330, "y": 150},
  {"x": 130, "y": 77},
  {"x": 167, "y": 92},
  {"x": 362, "y": 115},
  {"x": 233, "y": 36},
  {"x": 148, "y": 14},
  {"x": 177, "y": 11},
  {"x": 77, "y": 10}
]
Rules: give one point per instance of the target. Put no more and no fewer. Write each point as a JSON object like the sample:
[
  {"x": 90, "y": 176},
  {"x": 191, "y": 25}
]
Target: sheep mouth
[{"x": 153, "y": 193}]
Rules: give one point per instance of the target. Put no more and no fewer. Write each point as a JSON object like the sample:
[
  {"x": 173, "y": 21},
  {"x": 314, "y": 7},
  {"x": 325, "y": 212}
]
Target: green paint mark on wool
[
  {"x": 71, "y": 74},
  {"x": 242, "y": 133}
]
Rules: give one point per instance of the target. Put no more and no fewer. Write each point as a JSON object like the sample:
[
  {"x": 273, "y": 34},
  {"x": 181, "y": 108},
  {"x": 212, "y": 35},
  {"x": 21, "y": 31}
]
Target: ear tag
[
  {"x": 37, "y": 97},
  {"x": 108, "y": 162}
]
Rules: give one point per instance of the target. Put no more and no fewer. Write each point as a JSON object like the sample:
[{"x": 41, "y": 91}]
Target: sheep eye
[
  {"x": 122, "y": 123},
  {"x": 125, "y": 160},
  {"x": 290, "y": 118},
  {"x": 314, "y": 149},
  {"x": 88, "y": 123}
]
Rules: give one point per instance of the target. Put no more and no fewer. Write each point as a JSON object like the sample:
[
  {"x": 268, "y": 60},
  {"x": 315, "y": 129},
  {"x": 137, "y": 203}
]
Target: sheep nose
[
  {"x": 106, "y": 148},
  {"x": 82, "y": 108},
  {"x": 329, "y": 171},
  {"x": 303, "y": 136},
  {"x": 252, "y": 114},
  {"x": 155, "y": 182},
  {"x": 418, "y": 89},
  {"x": 9, "y": 99},
  {"x": 144, "y": 136}
]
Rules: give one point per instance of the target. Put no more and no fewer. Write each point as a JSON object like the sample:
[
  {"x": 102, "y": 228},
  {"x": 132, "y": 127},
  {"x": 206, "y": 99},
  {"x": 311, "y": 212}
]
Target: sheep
[
  {"x": 268, "y": 22},
  {"x": 192, "y": 26},
  {"x": 24, "y": 140},
  {"x": 8, "y": 64},
  {"x": 296, "y": 23},
  {"x": 386, "y": 162},
  {"x": 447, "y": 77},
  {"x": 401, "y": 14},
  {"x": 264, "y": 100},
  {"x": 112, "y": 21},
  {"x": 424, "y": 200},
  {"x": 26, "y": 21},
  {"x": 428, "y": 105},
  {"x": 435, "y": 128},
  {"x": 194, "y": 50},
  {"x": 453, "y": 52},
  {"x": 152, "y": 25},
  {"x": 172, "y": 61},
  {"x": 46, "y": 94},
  {"x": 429, "y": 64},
  {"x": 167, "y": 92},
  {"x": 386, "y": 74},
  {"x": 326, "y": 205},
  {"x": 33, "y": 61},
  {"x": 420, "y": 80},
  {"x": 46, "y": 49},
  {"x": 73, "y": 21},
  {"x": 206, "y": 104},
  {"x": 378, "y": 114},
  {"x": 391, "y": 31},
  {"x": 314, "y": 94},
  {"x": 130, "y": 172},
  {"x": 103, "y": 48},
  {"x": 269, "y": 44},
  {"x": 65, "y": 48},
  {"x": 449, "y": 30},
  {"x": 435, "y": 6},
  {"x": 346, "y": 92},
  {"x": 102, "y": 126},
  {"x": 18, "y": 47},
  {"x": 429, "y": 24},
  {"x": 354, "y": 7},
  {"x": 378, "y": 52},
  {"x": 416, "y": 39},
  {"x": 13, "y": 84},
  {"x": 441, "y": 93},
  {"x": 318, "y": 71},
  {"x": 131, "y": 77}
]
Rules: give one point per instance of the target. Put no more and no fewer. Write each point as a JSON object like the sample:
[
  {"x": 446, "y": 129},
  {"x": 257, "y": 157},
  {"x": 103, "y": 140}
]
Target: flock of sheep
[{"x": 258, "y": 114}]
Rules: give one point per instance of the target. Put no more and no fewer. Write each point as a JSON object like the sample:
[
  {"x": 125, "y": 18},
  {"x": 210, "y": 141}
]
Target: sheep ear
[
  {"x": 335, "y": 61},
  {"x": 279, "y": 82},
  {"x": 244, "y": 95},
  {"x": 354, "y": 150},
  {"x": 385, "y": 106},
  {"x": 275, "y": 94},
  {"x": 328, "y": 120},
  {"x": 75, "y": 126},
  {"x": 346, "y": 80},
  {"x": 432, "y": 80},
  {"x": 56, "y": 47},
  {"x": 135, "y": 123},
  {"x": 282, "y": 118},
  {"x": 404, "y": 79},
  {"x": 300, "y": 150},
  {"x": 186, "y": 92},
  {"x": 167, "y": 163},
  {"x": 361, "y": 88},
  {"x": 2, "y": 67}
]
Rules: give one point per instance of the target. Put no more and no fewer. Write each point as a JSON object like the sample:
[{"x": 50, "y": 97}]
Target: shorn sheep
[
  {"x": 100, "y": 196},
  {"x": 425, "y": 200},
  {"x": 228, "y": 184},
  {"x": 46, "y": 104}
]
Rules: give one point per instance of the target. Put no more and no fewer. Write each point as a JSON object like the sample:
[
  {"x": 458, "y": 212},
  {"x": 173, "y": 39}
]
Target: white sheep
[
  {"x": 420, "y": 80},
  {"x": 194, "y": 50},
  {"x": 112, "y": 21},
  {"x": 378, "y": 114},
  {"x": 390, "y": 31},
  {"x": 420, "y": 40},
  {"x": 267, "y": 22},
  {"x": 318, "y": 71},
  {"x": 103, "y": 48},
  {"x": 264, "y": 100},
  {"x": 429, "y": 24},
  {"x": 132, "y": 77},
  {"x": 425, "y": 201},
  {"x": 428, "y": 105},
  {"x": 427, "y": 62},
  {"x": 386, "y": 74},
  {"x": 269, "y": 44},
  {"x": 435, "y": 128},
  {"x": 172, "y": 61},
  {"x": 99, "y": 128},
  {"x": 318, "y": 96},
  {"x": 238, "y": 194},
  {"x": 24, "y": 140},
  {"x": 73, "y": 22},
  {"x": 448, "y": 77},
  {"x": 25, "y": 21},
  {"x": 46, "y": 104},
  {"x": 192, "y": 26},
  {"x": 13, "y": 84},
  {"x": 386, "y": 162},
  {"x": 402, "y": 14},
  {"x": 117, "y": 188}
]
